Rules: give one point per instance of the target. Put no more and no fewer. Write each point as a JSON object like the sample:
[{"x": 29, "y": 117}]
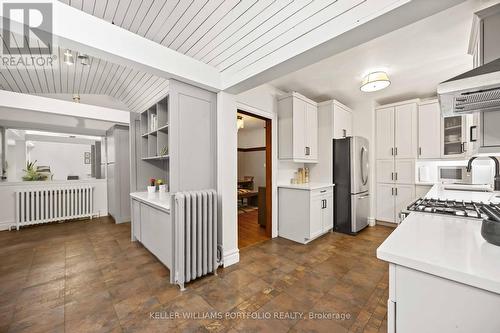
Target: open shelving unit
[{"x": 154, "y": 124}]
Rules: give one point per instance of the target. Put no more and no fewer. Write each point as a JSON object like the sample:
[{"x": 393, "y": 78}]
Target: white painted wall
[
  {"x": 63, "y": 158},
  {"x": 252, "y": 137}
]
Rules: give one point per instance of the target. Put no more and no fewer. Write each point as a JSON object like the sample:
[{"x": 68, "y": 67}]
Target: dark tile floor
[{"x": 87, "y": 276}]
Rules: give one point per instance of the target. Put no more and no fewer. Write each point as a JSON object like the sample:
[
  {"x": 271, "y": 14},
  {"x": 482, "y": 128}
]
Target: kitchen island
[{"x": 443, "y": 276}]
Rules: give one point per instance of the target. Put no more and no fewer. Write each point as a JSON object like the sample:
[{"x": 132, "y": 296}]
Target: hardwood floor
[
  {"x": 249, "y": 230},
  {"x": 87, "y": 276}
]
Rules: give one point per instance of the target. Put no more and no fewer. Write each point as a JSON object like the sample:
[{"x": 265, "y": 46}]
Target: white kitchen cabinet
[
  {"x": 297, "y": 129},
  {"x": 454, "y": 137},
  {"x": 404, "y": 171},
  {"x": 429, "y": 130},
  {"x": 405, "y": 131},
  {"x": 385, "y": 203},
  {"x": 404, "y": 195},
  {"x": 384, "y": 119},
  {"x": 443, "y": 305},
  {"x": 136, "y": 220},
  {"x": 396, "y": 131},
  {"x": 342, "y": 121},
  {"x": 152, "y": 227},
  {"x": 385, "y": 171},
  {"x": 392, "y": 199},
  {"x": 334, "y": 121},
  {"x": 304, "y": 213},
  {"x": 396, "y": 171}
]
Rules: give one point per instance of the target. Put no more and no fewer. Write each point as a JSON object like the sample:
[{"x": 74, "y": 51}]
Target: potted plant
[
  {"x": 152, "y": 185},
  {"x": 161, "y": 186},
  {"x": 32, "y": 174}
]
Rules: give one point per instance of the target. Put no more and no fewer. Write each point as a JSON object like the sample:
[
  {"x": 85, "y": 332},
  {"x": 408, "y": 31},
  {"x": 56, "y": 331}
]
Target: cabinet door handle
[
  {"x": 344, "y": 132},
  {"x": 392, "y": 151},
  {"x": 308, "y": 151},
  {"x": 392, "y": 191},
  {"x": 396, "y": 190},
  {"x": 419, "y": 151},
  {"x": 392, "y": 175},
  {"x": 396, "y": 151},
  {"x": 396, "y": 176},
  {"x": 473, "y": 133}
]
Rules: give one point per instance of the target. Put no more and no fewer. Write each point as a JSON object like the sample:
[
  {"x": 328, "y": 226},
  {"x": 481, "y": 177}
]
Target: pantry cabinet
[
  {"x": 429, "y": 129},
  {"x": 392, "y": 199},
  {"x": 304, "y": 213},
  {"x": 396, "y": 152},
  {"x": 396, "y": 131},
  {"x": 297, "y": 129}
]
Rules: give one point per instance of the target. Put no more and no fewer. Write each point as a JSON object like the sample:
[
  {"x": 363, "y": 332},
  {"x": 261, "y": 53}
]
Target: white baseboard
[
  {"x": 4, "y": 225},
  {"x": 371, "y": 221},
  {"x": 231, "y": 257}
]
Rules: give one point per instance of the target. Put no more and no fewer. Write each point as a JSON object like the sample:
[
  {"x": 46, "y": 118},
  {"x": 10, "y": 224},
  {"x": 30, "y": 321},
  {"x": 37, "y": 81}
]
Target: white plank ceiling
[
  {"x": 136, "y": 89},
  {"x": 227, "y": 34}
]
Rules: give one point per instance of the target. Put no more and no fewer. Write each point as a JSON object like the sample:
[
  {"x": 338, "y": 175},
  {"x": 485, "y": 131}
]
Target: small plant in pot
[
  {"x": 152, "y": 185},
  {"x": 32, "y": 174},
  {"x": 161, "y": 185}
]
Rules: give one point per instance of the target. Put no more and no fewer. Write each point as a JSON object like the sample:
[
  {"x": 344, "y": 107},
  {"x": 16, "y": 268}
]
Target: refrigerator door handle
[{"x": 364, "y": 197}]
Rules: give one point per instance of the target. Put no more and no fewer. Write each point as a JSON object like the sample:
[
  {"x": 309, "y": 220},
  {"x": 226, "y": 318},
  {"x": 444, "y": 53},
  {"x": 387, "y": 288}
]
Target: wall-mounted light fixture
[{"x": 240, "y": 122}]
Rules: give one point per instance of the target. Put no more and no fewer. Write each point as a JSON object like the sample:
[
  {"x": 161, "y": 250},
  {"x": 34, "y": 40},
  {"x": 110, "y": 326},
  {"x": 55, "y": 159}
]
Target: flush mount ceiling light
[
  {"x": 240, "y": 122},
  {"x": 375, "y": 81},
  {"x": 84, "y": 59},
  {"x": 68, "y": 58}
]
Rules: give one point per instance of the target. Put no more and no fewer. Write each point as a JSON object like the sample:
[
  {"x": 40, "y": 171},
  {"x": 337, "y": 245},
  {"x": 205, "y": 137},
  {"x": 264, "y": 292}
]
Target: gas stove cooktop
[{"x": 469, "y": 209}]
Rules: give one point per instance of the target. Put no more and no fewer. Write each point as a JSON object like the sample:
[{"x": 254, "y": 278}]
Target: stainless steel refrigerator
[{"x": 352, "y": 191}]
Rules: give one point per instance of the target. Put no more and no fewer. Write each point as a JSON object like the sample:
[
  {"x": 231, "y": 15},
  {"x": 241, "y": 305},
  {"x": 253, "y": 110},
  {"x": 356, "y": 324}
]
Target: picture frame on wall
[{"x": 86, "y": 157}]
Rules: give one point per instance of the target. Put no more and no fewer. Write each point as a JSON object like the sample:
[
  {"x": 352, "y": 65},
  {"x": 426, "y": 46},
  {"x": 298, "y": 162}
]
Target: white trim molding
[{"x": 231, "y": 257}]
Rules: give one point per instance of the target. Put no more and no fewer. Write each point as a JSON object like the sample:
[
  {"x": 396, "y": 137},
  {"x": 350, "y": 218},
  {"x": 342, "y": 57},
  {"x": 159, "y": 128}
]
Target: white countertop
[
  {"x": 438, "y": 192},
  {"x": 307, "y": 187},
  {"x": 160, "y": 200},
  {"x": 449, "y": 247}
]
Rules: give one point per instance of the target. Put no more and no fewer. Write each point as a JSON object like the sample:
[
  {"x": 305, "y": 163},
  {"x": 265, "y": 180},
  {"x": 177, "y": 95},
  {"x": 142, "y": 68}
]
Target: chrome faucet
[{"x": 496, "y": 181}]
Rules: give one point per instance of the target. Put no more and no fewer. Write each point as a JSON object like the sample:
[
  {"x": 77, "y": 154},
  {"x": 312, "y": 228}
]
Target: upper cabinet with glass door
[{"x": 459, "y": 136}]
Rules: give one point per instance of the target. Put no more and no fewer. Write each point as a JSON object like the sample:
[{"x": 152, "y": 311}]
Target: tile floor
[{"x": 87, "y": 276}]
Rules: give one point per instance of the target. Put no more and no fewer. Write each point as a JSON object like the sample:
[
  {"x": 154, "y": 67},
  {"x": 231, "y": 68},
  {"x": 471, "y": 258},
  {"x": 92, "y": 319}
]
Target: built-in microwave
[{"x": 454, "y": 174}]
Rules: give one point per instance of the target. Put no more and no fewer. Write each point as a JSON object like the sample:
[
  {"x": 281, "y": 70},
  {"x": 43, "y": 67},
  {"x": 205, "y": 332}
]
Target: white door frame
[{"x": 274, "y": 174}]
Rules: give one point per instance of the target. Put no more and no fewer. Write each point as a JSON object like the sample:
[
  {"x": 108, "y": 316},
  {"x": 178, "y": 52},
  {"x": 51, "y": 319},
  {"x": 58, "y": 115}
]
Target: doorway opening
[{"x": 254, "y": 179}]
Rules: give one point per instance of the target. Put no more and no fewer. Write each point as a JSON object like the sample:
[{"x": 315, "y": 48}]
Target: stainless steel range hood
[{"x": 474, "y": 91}]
